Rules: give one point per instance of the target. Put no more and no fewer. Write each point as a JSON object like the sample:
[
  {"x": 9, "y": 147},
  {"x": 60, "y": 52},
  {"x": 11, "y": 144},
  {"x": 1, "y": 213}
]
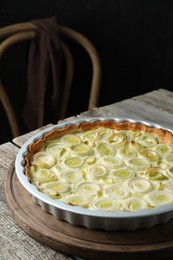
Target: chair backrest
[{"x": 24, "y": 31}]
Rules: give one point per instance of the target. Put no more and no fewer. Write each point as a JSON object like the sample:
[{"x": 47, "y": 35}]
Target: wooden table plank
[{"x": 156, "y": 106}]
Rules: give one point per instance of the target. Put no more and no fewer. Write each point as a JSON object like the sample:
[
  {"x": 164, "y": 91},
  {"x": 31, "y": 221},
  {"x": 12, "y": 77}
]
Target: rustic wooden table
[{"x": 15, "y": 243}]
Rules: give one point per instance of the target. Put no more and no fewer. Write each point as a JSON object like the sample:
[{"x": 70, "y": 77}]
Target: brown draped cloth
[{"x": 44, "y": 64}]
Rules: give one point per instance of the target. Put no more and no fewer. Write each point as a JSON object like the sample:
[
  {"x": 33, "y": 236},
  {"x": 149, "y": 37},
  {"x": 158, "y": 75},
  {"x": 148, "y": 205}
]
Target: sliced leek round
[
  {"x": 134, "y": 204},
  {"x": 149, "y": 154},
  {"x": 70, "y": 139},
  {"x": 90, "y": 135},
  {"x": 104, "y": 133},
  {"x": 76, "y": 200},
  {"x": 139, "y": 185},
  {"x": 57, "y": 149},
  {"x": 88, "y": 188},
  {"x": 53, "y": 147},
  {"x": 118, "y": 139},
  {"x": 82, "y": 149},
  {"x": 164, "y": 149},
  {"x": 74, "y": 162},
  {"x": 97, "y": 171},
  {"x": 105, "y": 149},
  {"x": 44, "y": 175},
  {"x": 138, "y": 164},
  {"x": 106, "y": 204},
  {"x": 56, "y": 188},
  {"x": 147, "y": 140},
  {"x": 44, "y": 160},
  {"x": 117, "y": 191},
  {"x": 72, "y": 176},
  {"x": 157, "y": 198},
  {"x": 113, "y": 161},
  {"x": 123, "y": 174},
  {"x": 156, "y": 174},
  {"x": 127, "y": 152}
]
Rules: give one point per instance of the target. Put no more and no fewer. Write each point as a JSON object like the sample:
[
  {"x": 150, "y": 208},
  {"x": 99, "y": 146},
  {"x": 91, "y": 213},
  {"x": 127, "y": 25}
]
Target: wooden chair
[{"x": 24, "y": 31}]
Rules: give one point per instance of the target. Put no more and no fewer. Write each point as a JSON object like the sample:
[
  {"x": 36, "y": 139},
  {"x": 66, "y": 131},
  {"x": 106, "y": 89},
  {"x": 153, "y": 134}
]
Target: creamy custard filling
[{"x": 105, "y": 168}]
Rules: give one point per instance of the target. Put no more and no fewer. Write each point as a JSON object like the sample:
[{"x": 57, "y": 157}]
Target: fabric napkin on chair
[{"x": 44, "y": 70}]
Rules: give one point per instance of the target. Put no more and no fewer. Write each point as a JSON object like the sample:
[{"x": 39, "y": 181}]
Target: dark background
[{"x": 134, "y": 39}]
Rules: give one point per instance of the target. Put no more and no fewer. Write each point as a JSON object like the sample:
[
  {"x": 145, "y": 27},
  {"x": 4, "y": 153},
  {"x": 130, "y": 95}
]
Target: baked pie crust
[{"x": 104, "y": 165}]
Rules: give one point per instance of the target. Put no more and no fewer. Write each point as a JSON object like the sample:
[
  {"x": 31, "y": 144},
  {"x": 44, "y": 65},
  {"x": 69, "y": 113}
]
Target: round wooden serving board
[{"x": 80, "y": 241}]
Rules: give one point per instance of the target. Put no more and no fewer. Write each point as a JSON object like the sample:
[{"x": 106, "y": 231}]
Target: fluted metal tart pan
[{"x": 92, "y": 219}]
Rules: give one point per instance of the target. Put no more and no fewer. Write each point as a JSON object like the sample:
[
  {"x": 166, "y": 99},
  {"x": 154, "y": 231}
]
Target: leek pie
[{"x": 104, "y": 165}]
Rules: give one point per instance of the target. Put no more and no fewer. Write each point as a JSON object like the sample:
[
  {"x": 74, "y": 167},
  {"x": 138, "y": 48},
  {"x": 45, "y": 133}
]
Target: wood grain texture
[{"x": 155, "y": 106}]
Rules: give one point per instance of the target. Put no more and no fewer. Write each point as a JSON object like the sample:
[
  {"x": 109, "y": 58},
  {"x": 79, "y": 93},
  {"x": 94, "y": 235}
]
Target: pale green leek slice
[
  {"x": 104, "y": 133},
  {"x": 106, "y": 204},
  {"x": 147, "y": 140},
  {"x": 122, "y": 174},
  {"x": 138, "y": 164},
  {"x": 54, "y": 147},
  {"x": 157, "y": 198},
  {"x": 117, "y": 191},
  {"x": 74, "y": 162},
  {"x": 128, "y": 152},
  {"x": 156, "y": 174},
  {"x": 105, "y": 149},
  {"x": 90, "y": 135},
  {"x": 62, "y": 152},
  {"x": 135, "y": 145},
  {"x": 96, "y": 171},
  {"x": 72, "y": 176},
  {"x": 76, "y": 200},
  {"x": 149, "y": 154},
  {"x": 118, "y": 140},
  {"x": 70, "y": 139},
  {"x": 44, "y": 160},
  {"x": 82, "y": 149},
  {"x": 164, "y": 149},
  {"x": 56, "y": 188},
  {"x": 121, "y": 136},
  {"x": 135, "y": 204},
  {"x": 113, "y": 161},
  {"x": 43, "y": 175},
  {"x": 139, "y": 185},
  {"x": 88, "y": 188}
]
